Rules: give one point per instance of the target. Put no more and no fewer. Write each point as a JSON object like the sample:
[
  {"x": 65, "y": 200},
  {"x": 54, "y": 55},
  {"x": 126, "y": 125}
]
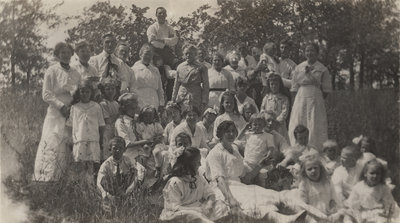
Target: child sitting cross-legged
[{"x": 118, "y": 176}]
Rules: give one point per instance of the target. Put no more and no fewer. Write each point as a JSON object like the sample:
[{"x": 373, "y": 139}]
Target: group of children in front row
[{"x": 133, "y": 150}]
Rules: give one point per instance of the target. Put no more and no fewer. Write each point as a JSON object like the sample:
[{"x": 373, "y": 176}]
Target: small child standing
[
  {"x": 110, "y": 110},
  {"x": 317, "y": 191},
  {"x": 277, "y": 100},
  {"x": 241, "y": 96},
  {"x": 331, "y": 157},
  {"x": 87, "y": 122},
  {"x": 174, "y": 112},
  {"x": 187, "y": 196},
  {"x": 371, "y": 199}
]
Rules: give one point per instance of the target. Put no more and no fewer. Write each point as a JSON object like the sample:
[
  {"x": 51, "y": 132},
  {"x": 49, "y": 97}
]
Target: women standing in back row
[
  {"x": 60, "y": 83},
  {"x": 191, "y": 83},
  {"x": 147, "y": 84},
  {"x": 220, "y": 81},
  {"x": 311, "y": 83}
]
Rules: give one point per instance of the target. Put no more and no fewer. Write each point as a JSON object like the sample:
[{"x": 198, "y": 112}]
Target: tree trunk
[
  {"x": 28, "y": 77},
  {"x": 361, "y": 74},
  {"x": 351, "y": 69},
  {"x": 12, "y": 73}
]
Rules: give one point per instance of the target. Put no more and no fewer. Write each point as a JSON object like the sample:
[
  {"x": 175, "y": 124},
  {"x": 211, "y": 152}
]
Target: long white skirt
[
  {"x": 309, "y": 110},
  {"x": 52, "y": 153}
]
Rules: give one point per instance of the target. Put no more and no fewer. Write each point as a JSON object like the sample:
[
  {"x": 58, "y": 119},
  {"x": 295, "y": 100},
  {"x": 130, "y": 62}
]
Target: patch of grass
[{"x": 370, "y": 112}]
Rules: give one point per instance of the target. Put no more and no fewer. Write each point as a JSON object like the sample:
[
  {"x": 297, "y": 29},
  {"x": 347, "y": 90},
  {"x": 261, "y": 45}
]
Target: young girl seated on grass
[
  {"x": 187, "y": 196},
  {"x": 87, "y": 122},
  {"x": 331, "y": 156},
  {"x": 371, "y": 199},
  {"x": 317, "y": 191}
]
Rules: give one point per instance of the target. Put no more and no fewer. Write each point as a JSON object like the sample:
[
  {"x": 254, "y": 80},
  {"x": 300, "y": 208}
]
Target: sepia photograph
[{"x": 175, "y": 111}]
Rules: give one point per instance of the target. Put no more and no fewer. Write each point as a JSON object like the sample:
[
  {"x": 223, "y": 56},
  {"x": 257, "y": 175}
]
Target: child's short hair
[
  {"x": 381, "y": 168},
  {"x": 107, "y": 82},
  {"x": 241, "y": 82},
  {"x": 148, "y": 108},
  {"x": 81, "y": 45},
  {"x": 125, "y": 100},
  {"x": 223, "y": 127},
  {"x": 118, "y": 140},
  {"x": 187, "y": 109},
  {"x": 172, "y": 105},
  {"x": 183, "y": 135},
  {"x": 329, "y": 144},
  {"x": 85, "y": 83},
  {"x": 257, "y": 117},
  {"x": 300, "y": 129}
]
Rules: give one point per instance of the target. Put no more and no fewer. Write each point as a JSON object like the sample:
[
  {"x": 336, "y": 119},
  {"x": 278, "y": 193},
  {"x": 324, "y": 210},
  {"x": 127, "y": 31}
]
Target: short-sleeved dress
[
  {"x": 321, "y": 195},
  {"x": 191, "y": 84},
  {"x": 255, "y": 201},
  {"x": 86, "y": 119},
  {"x": 279, "y": 104},
  {"x": 183, "y": 202},
  {"x": 51, "y": 159},
  {"x": 310, "y": 81},
  {"x": 111, "y": 112},
  {"x": 371, "y": 202},
  {"x": 219, "y": 82}
]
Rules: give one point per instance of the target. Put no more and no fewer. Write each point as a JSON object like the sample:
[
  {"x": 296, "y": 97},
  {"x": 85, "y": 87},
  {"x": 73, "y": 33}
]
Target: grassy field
[{"x": 370, "y": 112}]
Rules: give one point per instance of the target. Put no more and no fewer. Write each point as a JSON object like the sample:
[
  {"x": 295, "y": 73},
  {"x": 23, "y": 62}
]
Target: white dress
[
  {"x": 182, "y": 201},
  {"x": 368, "y": 203},
  {"x": 85, "y": 120},
  {"x": 51, "y": 158},
  {"x": 148, "y": 85},
  {"x": 255, "y": 201},
  {"x": 218, "y": 82},
  {"x": 309, "y": 105},
  {"x": 279, "y": 104}
]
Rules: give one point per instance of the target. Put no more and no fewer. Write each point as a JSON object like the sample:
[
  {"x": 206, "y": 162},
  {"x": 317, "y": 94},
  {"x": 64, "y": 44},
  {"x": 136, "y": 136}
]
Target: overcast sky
[{"x": 175, "y": 9}]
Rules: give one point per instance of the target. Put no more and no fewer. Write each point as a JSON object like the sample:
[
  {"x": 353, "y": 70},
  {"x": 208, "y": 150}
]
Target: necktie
[
  {"x": 108, "y": 67},
  {"x": 118, "y": 175}
]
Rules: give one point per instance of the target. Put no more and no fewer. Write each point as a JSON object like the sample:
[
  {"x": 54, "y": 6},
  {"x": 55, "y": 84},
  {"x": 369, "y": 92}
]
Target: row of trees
[{"x": 359, "y": 37}]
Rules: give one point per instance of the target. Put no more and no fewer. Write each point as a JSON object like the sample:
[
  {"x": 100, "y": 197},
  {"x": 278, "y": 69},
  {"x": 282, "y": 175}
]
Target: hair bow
[{"x": 357, "y": 140}]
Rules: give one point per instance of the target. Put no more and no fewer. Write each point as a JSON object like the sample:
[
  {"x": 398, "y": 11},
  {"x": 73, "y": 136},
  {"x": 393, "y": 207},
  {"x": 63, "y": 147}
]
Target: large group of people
[{"x": 240, "y": 135}]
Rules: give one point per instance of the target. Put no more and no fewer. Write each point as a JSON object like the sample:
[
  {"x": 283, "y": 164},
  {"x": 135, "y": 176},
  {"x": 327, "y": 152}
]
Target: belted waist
[{"x": 217, "y": 89}]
